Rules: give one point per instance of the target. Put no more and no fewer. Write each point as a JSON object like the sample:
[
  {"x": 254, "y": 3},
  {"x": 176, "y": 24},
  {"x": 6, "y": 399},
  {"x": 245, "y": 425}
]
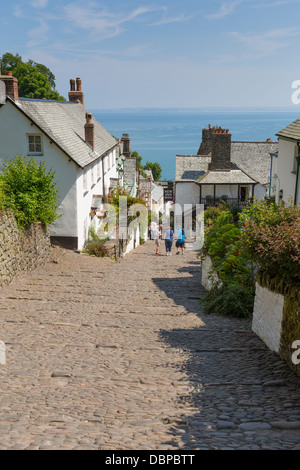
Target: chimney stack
[
  {"x": 206, "y": 144},
  {"x": 76, "y": 95},
  {"x": 221, "y": 150},
  {"x": 126, "y": 145},
  {"x": 11, "y": 85},
  {"x": 89, "y": 130}
]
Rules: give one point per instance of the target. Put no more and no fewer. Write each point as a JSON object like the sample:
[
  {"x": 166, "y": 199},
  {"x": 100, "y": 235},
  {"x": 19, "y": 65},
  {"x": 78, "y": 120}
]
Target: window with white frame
[{"x": 35, "y": 146}]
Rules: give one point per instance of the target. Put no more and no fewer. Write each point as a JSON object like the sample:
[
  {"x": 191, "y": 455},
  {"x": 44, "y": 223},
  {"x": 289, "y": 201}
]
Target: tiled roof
[
  {"x": 226, "y": 177},
  {"x": 64, "y": 123},
  {"x": 292, "y": 131}
]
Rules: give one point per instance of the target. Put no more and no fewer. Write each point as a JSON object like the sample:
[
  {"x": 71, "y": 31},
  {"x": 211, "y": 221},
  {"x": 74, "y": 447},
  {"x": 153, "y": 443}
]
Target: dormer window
[{"x": 35, "y": 144}]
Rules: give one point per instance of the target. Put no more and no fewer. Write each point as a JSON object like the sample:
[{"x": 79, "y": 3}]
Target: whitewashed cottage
[
  {"x": 286, "y": 165},
  {"x": 70, "y": 141},
  {"x": 223, "y": 169}
]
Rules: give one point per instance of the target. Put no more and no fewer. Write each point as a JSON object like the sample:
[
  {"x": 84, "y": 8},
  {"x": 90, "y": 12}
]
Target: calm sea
[{"x": 159, "y": 134}]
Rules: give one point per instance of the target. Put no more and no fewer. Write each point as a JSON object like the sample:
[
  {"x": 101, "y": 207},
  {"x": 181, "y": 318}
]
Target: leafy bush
[
  {"x": 211, "y": 214},
  {"x": 229, "y": 299},
  {"x": 96, "y": 248},
  {"x": 235, "y": 293},
  {"x": 263, "y": 236},
  {"x": 29, "y": 191},
  {"x": 1, "y": 195},
  {"x": 271, "y": 235},
  {"x": 114, "y": 199}
]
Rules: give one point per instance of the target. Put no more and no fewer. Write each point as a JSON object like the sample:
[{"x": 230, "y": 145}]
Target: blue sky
[{"x": 191, "y": 53}]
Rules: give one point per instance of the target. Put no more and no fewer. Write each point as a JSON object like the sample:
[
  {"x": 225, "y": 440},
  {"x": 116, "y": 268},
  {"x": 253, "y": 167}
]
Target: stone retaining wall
[{"x": 20, "y": 250}]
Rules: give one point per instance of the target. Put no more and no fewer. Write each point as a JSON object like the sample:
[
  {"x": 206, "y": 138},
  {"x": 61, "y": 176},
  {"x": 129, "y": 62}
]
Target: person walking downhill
[
  {"x": 169, "y": 240},
  {"x": 180, "y": 240}
]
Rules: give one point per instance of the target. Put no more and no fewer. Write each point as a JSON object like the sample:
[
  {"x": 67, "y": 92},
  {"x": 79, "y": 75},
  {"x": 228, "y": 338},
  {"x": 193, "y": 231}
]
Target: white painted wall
[
  {"x": 14, "y": 123},
  {"x": 93, "y": 187},
  {"x": 285, "y": 164},
  {"x": 208, "y": 277},
  {"x": 75, "y": 200},
  {"x": 267, "y": 317},
  {"x": 260, "y": 192},
  {"x": 187, "y": 193}
]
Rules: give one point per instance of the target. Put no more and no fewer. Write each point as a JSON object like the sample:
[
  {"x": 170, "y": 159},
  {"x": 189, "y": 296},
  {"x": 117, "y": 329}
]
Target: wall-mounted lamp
[{"x": 280, "y": 194}]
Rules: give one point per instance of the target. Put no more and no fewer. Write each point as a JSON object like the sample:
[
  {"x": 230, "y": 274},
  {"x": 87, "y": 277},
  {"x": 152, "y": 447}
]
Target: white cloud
[
  {"x": 38, "y": 35},
  {"x": 18, "y": 13},
  {"x": 134, "y": 51},
  {"x": 227, "y": 8},
  {"x": 101, "y": 23},
  {"x": 39, "y": 3},
  {"x": 175, "y": 19},
  {"x": 274, "y": 4},
  {"x": 267, "y": 43}
]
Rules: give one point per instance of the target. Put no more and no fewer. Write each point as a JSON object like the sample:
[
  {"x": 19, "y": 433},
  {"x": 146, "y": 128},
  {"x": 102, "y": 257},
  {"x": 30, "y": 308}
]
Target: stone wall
[{"x": 20, "y": 250}]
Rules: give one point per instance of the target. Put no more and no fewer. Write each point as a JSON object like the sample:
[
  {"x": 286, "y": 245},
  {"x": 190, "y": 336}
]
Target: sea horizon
[{"x": 159, "y": 134}]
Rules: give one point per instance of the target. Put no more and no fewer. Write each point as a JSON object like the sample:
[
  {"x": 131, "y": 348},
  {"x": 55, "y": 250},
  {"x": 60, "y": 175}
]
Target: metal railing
[{"x": 232, "y": 201}]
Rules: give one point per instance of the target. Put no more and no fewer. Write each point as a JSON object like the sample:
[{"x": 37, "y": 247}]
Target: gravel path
[{"x": 118, "y": 355}]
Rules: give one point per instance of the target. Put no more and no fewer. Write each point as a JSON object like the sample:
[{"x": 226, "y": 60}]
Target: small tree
[
  {"x": 29, "y": 190},
  {"x": 34, "y": 80},
  {"x": 138, "y": 158},
  {"x": 155, "y": 168}
]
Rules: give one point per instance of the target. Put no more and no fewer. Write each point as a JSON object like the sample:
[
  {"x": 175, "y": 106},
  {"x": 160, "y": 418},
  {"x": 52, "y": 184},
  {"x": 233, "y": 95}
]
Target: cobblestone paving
[{"x": 116, "y": 356}]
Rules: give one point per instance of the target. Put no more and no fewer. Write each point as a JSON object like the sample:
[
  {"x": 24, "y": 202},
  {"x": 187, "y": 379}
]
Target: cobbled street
[{"x": 118, "y": 355}]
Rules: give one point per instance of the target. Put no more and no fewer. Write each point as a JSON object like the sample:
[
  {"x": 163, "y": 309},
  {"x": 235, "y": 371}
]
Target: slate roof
[
  {"x": 292, "y": 131},
  {"x": 251, "y": 157},
  {"x": 192, "y": 175},
  {"x": 191, "y": 167},
  {"x": 63, "y": 122},
  {"x": 254, "y": 158},
  {"x": 226, "y": 177}
]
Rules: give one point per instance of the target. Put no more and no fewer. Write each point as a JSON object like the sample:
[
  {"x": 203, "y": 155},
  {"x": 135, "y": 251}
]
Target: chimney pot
[
  {"x": 8, "y": 73},
  {"x": 76, "y": 96}
]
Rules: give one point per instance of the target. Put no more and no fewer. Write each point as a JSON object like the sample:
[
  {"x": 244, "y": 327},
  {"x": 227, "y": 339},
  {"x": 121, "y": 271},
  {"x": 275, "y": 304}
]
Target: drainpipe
[
  {"x": 271, "y": 155},
  {"x": 297, "y": 174}
]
